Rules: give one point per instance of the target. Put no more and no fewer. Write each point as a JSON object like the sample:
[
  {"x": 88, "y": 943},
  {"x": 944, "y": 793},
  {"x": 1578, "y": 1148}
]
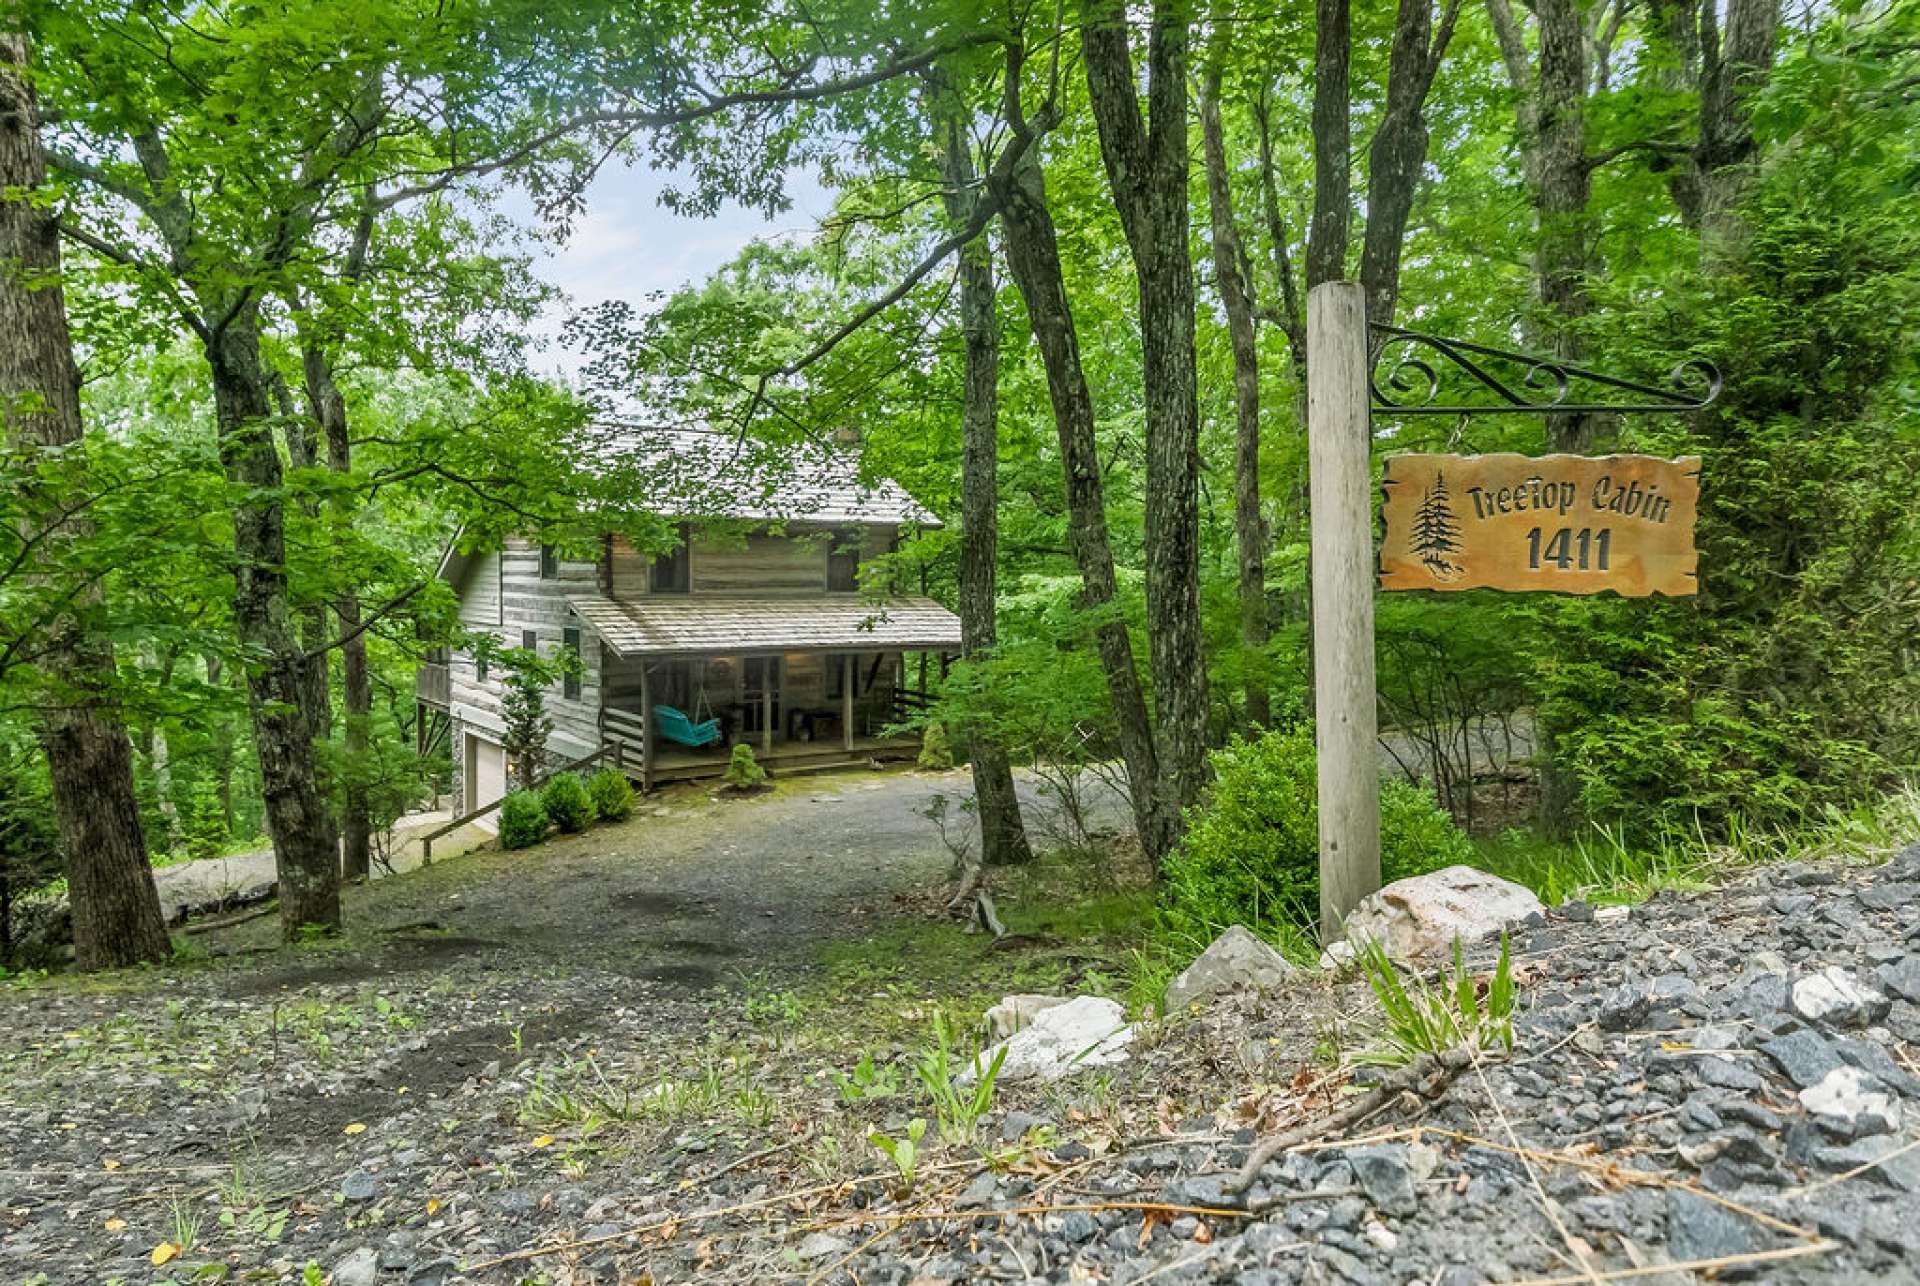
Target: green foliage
[
  {"x": 612, "y": 795},
  {"x": 957, "y": 1108},
  {"x": 523, "y": 820},
  {"x": 1425, "y": 1019},
  {"x": 868, "y": 1080},
  {"x": 743, "y": 771},
  {"x": 1789, "y": 682},
  {"x": 566, "y": 802},
  {"x": 1252, "y": 850},
  {"x": 936, "y": 754},
  {"x": 903, "y": 1152}
]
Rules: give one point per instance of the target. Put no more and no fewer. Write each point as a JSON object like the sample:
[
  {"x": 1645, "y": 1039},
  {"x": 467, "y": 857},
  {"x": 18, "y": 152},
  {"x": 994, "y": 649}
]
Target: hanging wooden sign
[{"x": 1563, "y": 523}]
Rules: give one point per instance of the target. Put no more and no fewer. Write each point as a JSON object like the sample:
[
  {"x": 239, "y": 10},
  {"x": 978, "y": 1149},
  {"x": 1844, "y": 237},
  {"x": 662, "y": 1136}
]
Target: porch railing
[{"x": 433, "y": 684}]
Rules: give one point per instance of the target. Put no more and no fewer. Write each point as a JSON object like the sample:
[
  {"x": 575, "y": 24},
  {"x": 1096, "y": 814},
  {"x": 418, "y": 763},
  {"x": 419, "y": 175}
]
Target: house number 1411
[{"x": 1591, "y": 555}]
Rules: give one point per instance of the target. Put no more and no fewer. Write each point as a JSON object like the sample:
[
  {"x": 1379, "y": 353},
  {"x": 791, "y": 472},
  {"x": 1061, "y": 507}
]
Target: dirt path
[{"x": 281, "y": 1086}]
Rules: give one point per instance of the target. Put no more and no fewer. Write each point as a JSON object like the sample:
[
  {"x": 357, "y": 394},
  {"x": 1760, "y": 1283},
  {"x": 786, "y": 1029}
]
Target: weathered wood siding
[
  {"x": 528, "y": 602},
  {"x": 478, "y": 588},
  {"x": 792, "y": 561}
]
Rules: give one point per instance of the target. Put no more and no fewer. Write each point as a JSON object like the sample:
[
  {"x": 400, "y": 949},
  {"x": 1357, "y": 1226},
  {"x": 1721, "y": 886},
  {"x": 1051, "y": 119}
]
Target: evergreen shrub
[
  {"x": 612, "y": 794},
  {"x": 1252, "y": 850},
  {"x": 567, "y": 803},
  {"x": 936, "y": 752},
  {"x": 523, "y": 820},
  {"x": 743, "y": 771}
]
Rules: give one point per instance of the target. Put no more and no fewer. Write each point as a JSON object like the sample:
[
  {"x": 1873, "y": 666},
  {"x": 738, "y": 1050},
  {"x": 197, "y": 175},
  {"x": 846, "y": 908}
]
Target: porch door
[{"x": 760, "y": 695}]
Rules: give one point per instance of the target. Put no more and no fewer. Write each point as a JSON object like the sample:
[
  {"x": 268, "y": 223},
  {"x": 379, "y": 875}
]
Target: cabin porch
[{"x": 801, "y": 712}]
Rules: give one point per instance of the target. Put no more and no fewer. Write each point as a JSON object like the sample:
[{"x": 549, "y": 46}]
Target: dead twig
[
  {"x": 1425, "y": 1076},
  {"x": 1690, "y": 1265}
]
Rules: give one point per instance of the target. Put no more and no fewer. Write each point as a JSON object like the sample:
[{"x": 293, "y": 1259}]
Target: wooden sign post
[
  {"x": 1339, "y": 449},
  {"x": 1562, "y": 523}
]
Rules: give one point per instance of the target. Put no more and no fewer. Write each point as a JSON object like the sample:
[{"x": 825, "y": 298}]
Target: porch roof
[{"x": 714, "y": 625}]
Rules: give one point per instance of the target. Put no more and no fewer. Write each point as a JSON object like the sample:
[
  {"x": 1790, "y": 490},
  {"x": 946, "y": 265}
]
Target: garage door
[{"x": 487, "y": 771}]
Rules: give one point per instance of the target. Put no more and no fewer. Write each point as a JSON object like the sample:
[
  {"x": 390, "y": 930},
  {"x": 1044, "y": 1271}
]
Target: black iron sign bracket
[{"x": 1521, "y": 384}]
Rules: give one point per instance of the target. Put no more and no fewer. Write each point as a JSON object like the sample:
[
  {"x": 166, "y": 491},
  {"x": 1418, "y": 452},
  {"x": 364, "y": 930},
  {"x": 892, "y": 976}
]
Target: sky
[{"x": 627, "y": 246}]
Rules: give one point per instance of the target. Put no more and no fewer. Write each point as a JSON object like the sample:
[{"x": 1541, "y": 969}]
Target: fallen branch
[{"x": 1425, "y": 1076}]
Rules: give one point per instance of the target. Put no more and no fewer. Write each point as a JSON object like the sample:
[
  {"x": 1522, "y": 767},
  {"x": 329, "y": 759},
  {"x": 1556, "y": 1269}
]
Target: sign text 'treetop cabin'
[{"x": 1565, "y": 523}]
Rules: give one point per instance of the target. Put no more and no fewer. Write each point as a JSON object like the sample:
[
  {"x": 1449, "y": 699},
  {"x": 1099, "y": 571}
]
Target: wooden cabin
[{"x": 765, "y": 617}]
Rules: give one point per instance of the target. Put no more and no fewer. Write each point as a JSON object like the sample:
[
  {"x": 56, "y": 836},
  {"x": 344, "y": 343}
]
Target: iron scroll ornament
[{"x": 1412, "y": 382}]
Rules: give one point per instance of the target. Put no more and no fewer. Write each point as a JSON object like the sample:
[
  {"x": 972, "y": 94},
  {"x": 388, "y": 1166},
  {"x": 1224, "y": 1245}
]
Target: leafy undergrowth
[{"x": 1603, "y": 866}]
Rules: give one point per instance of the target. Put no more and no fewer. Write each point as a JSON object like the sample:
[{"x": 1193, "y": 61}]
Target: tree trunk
[
  {"x": 1249, "y": 525},
  {"x": 1146, "y": 164},
  {"x": 1730, "y": 75},
  {"x": 305, "y": 843},
  {"x": 1332, "y": 142},
  {"x": 303, "y": 452},
  {"x": 329, "y": 410},
  {"x": 1003, "y": 837},
  {"x": 1399, "y": 148},
  {"x": 1033, "y": 255},
  {"x": 116, "y": 909},
  {"x": 160, "y": 757},
  {"x": 1554, "y": 141}
]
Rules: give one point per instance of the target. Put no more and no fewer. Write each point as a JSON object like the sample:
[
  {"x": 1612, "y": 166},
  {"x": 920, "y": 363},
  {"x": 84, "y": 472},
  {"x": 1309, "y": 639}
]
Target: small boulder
[
  {"x": 1838, "y": 999},
  {"x": 1423, "y": 916},
  {"x": 1386, "y": 1176},
  {"x": 1016, "y": 1011},
  {"x": 1852, "y": 1104},
  {"x": 1236, "y": 959},
  {"x": 1084, "y": 1033}
]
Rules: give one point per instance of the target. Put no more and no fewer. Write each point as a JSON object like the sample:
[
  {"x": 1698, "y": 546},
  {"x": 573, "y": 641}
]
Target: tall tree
[
  {"x": 1146, "y": 162},
  {"x": 1236, "y": 298},
  {"x": 1553, "y": 85},
  {"x": 1033, "y": 257},
  {"x": 116, "y": 909},
  {"x": 1399, "y": 150},
  {"x": 1003, "y": 838}
]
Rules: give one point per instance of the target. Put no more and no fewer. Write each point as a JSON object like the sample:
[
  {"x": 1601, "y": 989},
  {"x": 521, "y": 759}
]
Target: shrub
[
  {"x": 743, "y": 772},
  {"x": 936, "y": 752},
  {"x": 523, "y": 820},
  {"x": 611, "y": 793},
  {"x": 1252, "y": 849},
  {"x": 566, "y": 802}
]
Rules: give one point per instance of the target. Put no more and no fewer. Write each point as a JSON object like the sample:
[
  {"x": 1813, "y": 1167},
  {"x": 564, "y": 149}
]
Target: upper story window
[
  {"x": 549, "y": 563},
  {"x": 843, "y": 560},
  {"x": 570, "y": 682},
  {"x": 671, "y": 570}
]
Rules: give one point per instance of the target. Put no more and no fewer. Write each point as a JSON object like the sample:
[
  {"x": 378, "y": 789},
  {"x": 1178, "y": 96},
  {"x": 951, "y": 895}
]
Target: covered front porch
[{"x": 809, "y": 683}]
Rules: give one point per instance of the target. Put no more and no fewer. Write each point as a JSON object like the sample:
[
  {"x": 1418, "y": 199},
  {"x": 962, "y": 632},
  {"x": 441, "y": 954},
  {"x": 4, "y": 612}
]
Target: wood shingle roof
[{"x": 710, "y": 625}]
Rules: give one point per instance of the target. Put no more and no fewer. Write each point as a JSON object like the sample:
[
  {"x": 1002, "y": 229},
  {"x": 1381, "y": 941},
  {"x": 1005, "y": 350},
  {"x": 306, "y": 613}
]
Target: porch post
[
  {"x": 847, "y": 673},
  {"x": 766, "y": 704},
  {"x": 646, "y": 726}
]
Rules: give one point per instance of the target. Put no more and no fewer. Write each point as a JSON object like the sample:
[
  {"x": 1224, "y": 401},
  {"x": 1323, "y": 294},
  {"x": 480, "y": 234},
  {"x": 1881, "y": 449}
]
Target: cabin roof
[
  {"x": 709, "y": 625},
  {"x": 691, "y": 473}
]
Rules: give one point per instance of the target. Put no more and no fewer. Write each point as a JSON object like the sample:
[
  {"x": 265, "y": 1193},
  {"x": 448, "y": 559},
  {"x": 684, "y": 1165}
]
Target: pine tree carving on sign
[{"x": 1436, "y": 534}]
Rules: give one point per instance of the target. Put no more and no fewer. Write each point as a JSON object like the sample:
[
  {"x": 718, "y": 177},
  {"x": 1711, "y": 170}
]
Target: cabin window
[
  {"x": 670, "y": 570},
  {"x": 837, "y": 674},
  {"x": 570, "y": 682},
  {"x": 549, "y": 563},
  {"x": 530, "y": 640},
  {"x": 843, "y": 561}
]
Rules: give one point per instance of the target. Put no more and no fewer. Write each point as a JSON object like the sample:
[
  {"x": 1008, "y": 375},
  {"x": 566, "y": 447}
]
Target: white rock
[
  {"x": 1236, "y": 959},
  {"x": 1016, "y": 1011},
  {"x": 1850, "y": 1098},
  {"x": 1424, "y": 915},
  {"x": 361, "y": 1268},
  {"x": 1837, "y": 998},
  {"x": 1084, "y": 1033}
]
